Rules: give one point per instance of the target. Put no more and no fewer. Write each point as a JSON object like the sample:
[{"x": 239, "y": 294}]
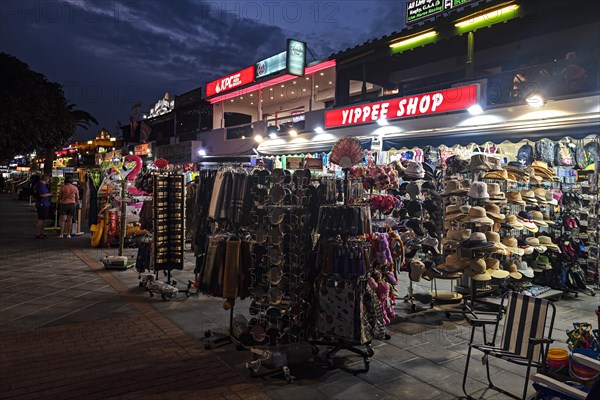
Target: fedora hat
[
  {"x": 494, "y": 237},
  {"x": 478, "y": 190},
  {"x": 547, "y": 242},
  {"x": 550, "y": 199},
  {"x": 547, "y": 218},
  {"x": 542, "y": 166},
  {"x": 501, "y": 175},
  {"x": 495, "y": 192},
  {"x": 533, "y": 176},
  {"x": 512, "y": 221},
  {"x": 513, "y": 272},
  {"x": 527, "y": 220},
  {"x": 515, "y": 167},
  {"x": 512, "y": 246},
  {"x": 528, "y": 196},
  {"x": 477, "y": 241},
  {"x": 482, "y": 162},
  {"x": 479, "y": 216},
  {"x": 453, "y": 263},
  {"x": 454, "y": 212},
  {"x": 493, "y": 211},
  {"x": 543, "y": 263},
  {"x": 493, "y": 268},
  {"x": 518, "y": 178},
  {"x": 515, "y": 198},
  {"x": 538, "y": 218},
  {"x": 456, "y": 236},
  {"x": 477, "y": 271},
  {"x": 534, "y": 243},
  {"x": 453, "y": 187},
  {"x": 525, "y": 269},
  {"x": 540, "y": 195}
]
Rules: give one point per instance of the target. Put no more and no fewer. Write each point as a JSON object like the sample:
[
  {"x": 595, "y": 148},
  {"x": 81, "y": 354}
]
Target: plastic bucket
[
  {"x": 558, "y": 360},
  {"x": 581, "y": 372}
]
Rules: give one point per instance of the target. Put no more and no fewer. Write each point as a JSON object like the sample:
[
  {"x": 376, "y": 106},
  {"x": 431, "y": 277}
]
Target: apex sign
[
  {"x": 454, "y": 99},
  {"x": 230, "y": 82}
]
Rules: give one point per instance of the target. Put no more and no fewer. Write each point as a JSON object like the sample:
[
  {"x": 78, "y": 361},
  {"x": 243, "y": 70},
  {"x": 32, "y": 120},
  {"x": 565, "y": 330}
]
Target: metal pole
[
  {"x": 470, "y": 54},
  {"x": 123, "y": 216}
]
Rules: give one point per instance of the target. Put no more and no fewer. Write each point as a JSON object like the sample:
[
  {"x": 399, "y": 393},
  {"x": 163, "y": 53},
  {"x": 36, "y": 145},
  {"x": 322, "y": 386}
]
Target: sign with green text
[{"x": 419, "y": 9}]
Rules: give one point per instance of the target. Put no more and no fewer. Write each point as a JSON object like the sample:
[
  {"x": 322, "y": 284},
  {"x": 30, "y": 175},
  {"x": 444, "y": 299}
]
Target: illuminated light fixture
[
  {"x": 308, "y": 78},
  {"x": 232, "y": 100},
  {"x": 90, "y": 142},
  {"x": 291, "y": 92},
  {"x": 144, "y": 115},
  {"x": 489, "y": 18},
  {"x": 382, "y": 122},
  {"x": 322, "y": 74},
  {"x": 271, "y": 97},
  {"x": 130, "y": 153},
  {"x": 475, "y": 109},
  {"x": 282, "y": 85},
  {"x": 271, "y": 89},
  {"x": 255, "y": 151},
  {"x": 258, "y": 138},
  {"x": 281, "y": 94},
  {"x": 304, "y": 90},
  {"x": 251, "y": 94},
  {"x": 251, "y": 103},
  {"x": 273, "y": 135},
  {"x": 415, "y": 40},
  {"x": 242, "y": 98},
  {"x": 536, "y": 101},
  {"x": 294, "y": 82},
  {"x": 113, "y": 139},
  {"x": 202, "y": 152},
  {"x": 319, "y": 130},
  {"x": 330, "y": 82},
  {"x": 316, "y": 86},
  {"x": 243, "y": 136},
  {"x": 293, "y": 133}
]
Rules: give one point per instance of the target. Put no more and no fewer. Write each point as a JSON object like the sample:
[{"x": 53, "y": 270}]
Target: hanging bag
[
  {"x": 544, "y": 151},
  {"x": 563, "y": 155}
]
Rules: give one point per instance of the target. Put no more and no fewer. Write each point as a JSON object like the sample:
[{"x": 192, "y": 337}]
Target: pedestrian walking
[
  {"x": 42, "y": 196},
  {"x": 68, "y": 197}
]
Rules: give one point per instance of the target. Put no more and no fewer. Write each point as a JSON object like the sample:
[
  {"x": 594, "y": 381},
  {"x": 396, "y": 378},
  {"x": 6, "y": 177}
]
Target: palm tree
[{"x": 81, "y": 119}]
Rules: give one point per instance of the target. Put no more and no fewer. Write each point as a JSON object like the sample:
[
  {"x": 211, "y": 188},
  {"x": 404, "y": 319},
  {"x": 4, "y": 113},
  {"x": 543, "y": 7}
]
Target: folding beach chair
[{"x": 525, "y": 338}]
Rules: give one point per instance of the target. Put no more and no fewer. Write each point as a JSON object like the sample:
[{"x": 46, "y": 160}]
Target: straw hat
[
  {"x": 456, "y": 236},
  {"x": 533, "y": 176},
  {"x": 514, "y": 197},
  {"x": 538, "y": 218},
  {"x": 493, "y": 211},
  {"x": 525, "y": 269},
  {"x": 534, "y": 243},
  {"x": 528, "y": 196},
  {"x": 543, "y": 263},
  {"x": 540, "y": 195},
  {"x": 547, "y": 218},
  {"x": 479, "y": 216},
  {"x": 527, "y": 220},
  {"x": 513, "y": 272},
  {"x": 494, "y": 237},
  {"x": 478, "y": 272},
  {"x": 512, "y": 245},
  {"x": 547, "y": 242},
  {"x": 453, "y": 188},
  {"x": 416, "y": 270},
  {"x": 453, "y": 212},
  {"x": 453, "y": 263},
  {"x": 501, "y": 175},
  {"x": 512, "y": 221},
  {"x": 496, "y": 195},
  {"x": 493, "y": 269}
]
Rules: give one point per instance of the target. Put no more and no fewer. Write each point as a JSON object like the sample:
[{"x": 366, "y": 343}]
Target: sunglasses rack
[{"x": 168, "y": 223}]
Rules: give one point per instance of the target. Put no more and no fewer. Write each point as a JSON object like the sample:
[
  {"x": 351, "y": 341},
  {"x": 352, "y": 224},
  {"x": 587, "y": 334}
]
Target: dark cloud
[{"x": 109, "y": 54}]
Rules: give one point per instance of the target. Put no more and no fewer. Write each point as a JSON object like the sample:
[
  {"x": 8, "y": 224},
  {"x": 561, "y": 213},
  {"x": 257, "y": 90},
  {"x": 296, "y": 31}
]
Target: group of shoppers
[{"x": 68, "y": 198}]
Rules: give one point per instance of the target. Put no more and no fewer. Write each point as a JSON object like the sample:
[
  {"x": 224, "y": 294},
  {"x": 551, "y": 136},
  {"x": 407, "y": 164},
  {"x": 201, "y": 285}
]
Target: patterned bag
[
  {"x": 544, "y": 151},
  {"x": 525, "y": 155},
  {"x": 563, "y": 155}
]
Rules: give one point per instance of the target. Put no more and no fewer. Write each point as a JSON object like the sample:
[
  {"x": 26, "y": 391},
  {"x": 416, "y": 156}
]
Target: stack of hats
[
  {"x": 453, "y": 188},
  {"x": 501, "y": 175},
  {"x": 529, "y": 197},
  {"x": 496, "y": 196},
  {"x": 478, "y": 215},
  {"x": 478, "y": 190},
  {"x": 544, "y": 171},
  {"x": 493, "y": 269},
  {"x": 526, "y": 220},
  {"x": 515, "y": 198},
  {"x": 477, "y": 270},
  {"x": 493, "y": 212},
  {"x": 482, "y": 162},
  {"x": 516, "y": 172},
  {"x": 477, "y": 241},
  {"x": 453, "y": 263}
]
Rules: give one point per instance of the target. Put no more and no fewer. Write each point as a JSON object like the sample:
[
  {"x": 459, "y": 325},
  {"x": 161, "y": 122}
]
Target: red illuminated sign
[
  {"x": 230, "y": 82},
  {"x": 454, "y": 99}
]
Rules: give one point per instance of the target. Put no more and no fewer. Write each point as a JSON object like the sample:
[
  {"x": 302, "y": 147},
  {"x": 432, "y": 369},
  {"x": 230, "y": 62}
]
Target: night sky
[{"x": 110, "y": 54}]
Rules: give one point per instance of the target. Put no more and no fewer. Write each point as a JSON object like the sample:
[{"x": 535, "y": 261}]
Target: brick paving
[{"x": 69, "y": 329}]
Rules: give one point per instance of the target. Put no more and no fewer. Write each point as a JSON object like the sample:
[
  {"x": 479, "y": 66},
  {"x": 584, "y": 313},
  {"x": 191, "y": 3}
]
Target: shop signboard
[
  {"x": 454, "y": 99},
  {"x": 294, "y": 162},
  {"x": 142, "y": 149},
  {"x": 314, "y": 163},
  {"x": 419, "y": 9},
  {"x": 296, "y": 57},
  {"x": 271, "y": 65},
  {"x": 230, "y": 82}
]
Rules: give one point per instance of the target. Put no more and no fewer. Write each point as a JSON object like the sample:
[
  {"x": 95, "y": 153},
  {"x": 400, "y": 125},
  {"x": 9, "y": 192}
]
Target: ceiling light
[
  {"x": 242, "y": 98},
  {"x": 273, "y": 135},
  {"x": 304, "y": 90},
  {"x": 293, "y": 133},
  {"x": 322, "y": 74},
  {"x": 258, "y": 138},
  {"x": 281, "y": 94},
  {"x": 201, "y": 152},
  {"x": 307, "y": 78},
  {"x": 490, "y": 17},
  {"x": 271, "y": 97},
  {"x": 292, "y": 92},
  {"x": 536, "y": 101},
  {"x": 250, "y": 94},
  {"x": 330, "y": 82},
  {"x": 232, "y": 100},
  {"x": 319, "y": 130},
  {"x": 282, "y": 85},
  {"x": 294, "y": 82},
  {"x": 251, "y": 103},
  {"x": 270, "y": 88},
  {"x": 316, "y": 86},
  {"x": 382, "y": 122},
  {"x": 414, "y": 39},
  {"x": 262, "y": 101},
  {"x": 243, "y": 137},
  {"x": 89, "y": 142},
  {"x": 475, "y": 109}
]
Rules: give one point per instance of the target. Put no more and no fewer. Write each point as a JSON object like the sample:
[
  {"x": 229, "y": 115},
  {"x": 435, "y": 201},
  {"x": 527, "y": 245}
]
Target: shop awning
[
  {"x": 555, "y": 130},
  {"x": 306, "y": 146}
]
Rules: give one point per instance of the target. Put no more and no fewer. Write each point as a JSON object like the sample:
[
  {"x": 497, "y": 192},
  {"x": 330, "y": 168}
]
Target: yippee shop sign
[
  {"x": 230, "y": 82},
  {"x": 454, "y": 99}
]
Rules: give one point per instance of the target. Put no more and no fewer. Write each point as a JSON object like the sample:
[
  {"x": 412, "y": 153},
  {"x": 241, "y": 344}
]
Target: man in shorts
[
  {"x": 68, "y": 197},
  {"x": 42, "y": 205}
]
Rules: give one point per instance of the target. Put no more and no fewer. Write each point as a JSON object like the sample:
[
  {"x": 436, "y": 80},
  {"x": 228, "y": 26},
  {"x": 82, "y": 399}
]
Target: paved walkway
[{"x": 69, "y": 328}]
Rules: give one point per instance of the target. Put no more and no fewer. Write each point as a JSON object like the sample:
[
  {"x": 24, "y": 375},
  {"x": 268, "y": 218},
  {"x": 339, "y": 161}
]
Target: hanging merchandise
[
  {"x": 169, "y": 234},
  {"x": 346, "y": 152}
]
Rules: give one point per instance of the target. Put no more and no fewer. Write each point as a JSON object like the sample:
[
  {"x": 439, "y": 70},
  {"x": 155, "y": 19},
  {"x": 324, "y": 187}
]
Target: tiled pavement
[{"x": 69, "y": 328}]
